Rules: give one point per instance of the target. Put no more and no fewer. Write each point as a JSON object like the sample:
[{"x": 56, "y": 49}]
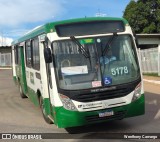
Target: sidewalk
[
  {"x": 151, "y": 79},
  {"x": 5, "y": 68}
]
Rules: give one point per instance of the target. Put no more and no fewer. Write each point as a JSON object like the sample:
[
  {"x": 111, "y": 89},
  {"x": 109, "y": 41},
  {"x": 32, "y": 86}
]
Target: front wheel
[
  {"x": 43, "y": 111},
  {"x": 73, "y": 130}
]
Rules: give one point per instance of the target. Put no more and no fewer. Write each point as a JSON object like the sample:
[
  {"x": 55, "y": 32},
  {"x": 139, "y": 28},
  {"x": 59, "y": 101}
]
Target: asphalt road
[{"x": 21, "y": 116}]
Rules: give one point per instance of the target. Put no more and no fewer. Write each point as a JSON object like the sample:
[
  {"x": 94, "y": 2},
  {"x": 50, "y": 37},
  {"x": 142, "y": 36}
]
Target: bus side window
[
  {"x": 17, "y": 51},
  {"x": 36, "y": 58},
  {"x": 28, "y": 50},
  {"x": 19, "y": 56},
  {"x": 16, "y": 54}
]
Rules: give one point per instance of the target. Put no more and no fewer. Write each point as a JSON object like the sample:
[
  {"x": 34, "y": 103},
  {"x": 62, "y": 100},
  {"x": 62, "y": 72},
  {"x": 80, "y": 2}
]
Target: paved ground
[
  {"x": 20, "y": 115},
  {"x": 151, "y": 78}
]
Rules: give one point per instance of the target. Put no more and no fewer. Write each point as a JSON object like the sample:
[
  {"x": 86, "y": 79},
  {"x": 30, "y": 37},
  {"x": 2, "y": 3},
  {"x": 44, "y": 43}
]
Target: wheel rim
[{"x": 20, "y": 89}]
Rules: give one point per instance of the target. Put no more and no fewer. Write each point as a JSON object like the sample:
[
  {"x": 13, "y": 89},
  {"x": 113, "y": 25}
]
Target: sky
[{"x": 19, "y": 16}]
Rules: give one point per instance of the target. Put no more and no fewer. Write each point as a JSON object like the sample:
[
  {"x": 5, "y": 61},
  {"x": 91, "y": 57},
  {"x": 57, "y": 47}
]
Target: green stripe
[
  {"x": 23, "y": 73},
  {"x": 33, "y": 96},
  {"x": 47, "y": 106}
]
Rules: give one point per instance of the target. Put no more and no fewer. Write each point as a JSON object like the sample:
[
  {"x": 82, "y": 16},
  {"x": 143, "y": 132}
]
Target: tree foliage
[{"x": 143, "y": 15}]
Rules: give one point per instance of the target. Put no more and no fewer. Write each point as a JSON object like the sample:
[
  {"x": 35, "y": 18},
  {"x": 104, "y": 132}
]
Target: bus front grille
[
  {"x": 89, "y": 97},
  {"x": 95, "y": 118}
]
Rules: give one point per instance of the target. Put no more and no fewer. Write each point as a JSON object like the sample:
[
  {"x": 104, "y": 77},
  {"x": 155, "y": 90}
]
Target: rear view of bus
[
  {"x": 80, "y": 71},
  {"x": 97, "y": 71}
]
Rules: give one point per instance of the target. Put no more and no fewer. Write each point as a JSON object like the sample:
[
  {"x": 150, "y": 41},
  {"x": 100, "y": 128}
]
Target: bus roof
[{"x": 50, "y": 27}]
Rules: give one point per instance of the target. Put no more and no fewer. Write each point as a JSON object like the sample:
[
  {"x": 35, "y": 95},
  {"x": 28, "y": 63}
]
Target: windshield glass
[{"x": 112, "y": 60}]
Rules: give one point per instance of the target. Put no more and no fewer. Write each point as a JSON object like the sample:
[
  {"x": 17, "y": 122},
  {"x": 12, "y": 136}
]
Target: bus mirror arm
[
  {"x": 47, "y": 55},
  {"x": 136, "y": 38}
]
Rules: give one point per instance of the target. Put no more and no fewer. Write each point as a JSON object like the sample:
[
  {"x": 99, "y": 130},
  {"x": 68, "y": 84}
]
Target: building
[
  {"x": 5, "y": 49},
  {"x": 5, "y": 56},
  {"x": 149, "y": 45}
]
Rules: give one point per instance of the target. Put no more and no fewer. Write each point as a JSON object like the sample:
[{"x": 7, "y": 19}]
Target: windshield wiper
[
  {"x": 80, "y": 47},
  {"x": 108, "y": 44}
]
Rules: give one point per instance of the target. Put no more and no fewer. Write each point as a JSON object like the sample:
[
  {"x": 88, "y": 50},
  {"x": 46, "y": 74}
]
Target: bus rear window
[{"x": 89, "y": 28}]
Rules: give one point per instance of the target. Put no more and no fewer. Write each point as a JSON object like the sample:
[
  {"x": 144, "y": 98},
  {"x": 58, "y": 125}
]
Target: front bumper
[{"x": 65, "y": 118}]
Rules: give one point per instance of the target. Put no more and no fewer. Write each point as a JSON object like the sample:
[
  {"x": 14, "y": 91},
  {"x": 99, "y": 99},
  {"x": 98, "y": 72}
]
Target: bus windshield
[{"x": 111, "y": 61}]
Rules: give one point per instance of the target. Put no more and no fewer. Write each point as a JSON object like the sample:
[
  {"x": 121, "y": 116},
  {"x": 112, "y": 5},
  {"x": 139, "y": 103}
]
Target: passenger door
[
  {"x": 33, "y": 69},
  {"x": 20, "y": 67}
]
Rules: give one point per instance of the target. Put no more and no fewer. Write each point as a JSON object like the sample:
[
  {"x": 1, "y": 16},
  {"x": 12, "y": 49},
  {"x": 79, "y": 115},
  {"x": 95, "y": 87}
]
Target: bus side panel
[
  {"x": 33, "y": 96},
  {"x": 33, "y": 84}
]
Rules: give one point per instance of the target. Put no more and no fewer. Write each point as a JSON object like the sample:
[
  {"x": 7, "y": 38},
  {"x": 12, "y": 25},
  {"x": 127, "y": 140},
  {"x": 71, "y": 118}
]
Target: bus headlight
[
  {"x": 67, "y": 102},
  {"x": 137, "y": 92}
]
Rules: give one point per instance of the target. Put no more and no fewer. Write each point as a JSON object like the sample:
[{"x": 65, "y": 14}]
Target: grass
[{"x": 151, "y": 74}]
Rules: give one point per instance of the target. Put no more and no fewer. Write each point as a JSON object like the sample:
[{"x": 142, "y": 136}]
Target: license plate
[{"x": 106, "y": 113}]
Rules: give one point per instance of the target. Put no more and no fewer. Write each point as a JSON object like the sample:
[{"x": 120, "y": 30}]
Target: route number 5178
[{"x": 119, "y": 70}]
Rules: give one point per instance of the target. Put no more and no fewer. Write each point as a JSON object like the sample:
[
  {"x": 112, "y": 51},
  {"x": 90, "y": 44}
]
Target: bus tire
[
  {"x": 72, "y": 130},
  {"x": 43, "y": 111},
  {"x": 21, "y": 92}
]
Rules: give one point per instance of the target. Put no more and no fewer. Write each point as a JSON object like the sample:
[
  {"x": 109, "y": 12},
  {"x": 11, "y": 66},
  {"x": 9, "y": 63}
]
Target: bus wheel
[
  {"x": 72, "y": 130},
  {"x": 43, "y": 111},
  {"x": 21, "y": 92}
]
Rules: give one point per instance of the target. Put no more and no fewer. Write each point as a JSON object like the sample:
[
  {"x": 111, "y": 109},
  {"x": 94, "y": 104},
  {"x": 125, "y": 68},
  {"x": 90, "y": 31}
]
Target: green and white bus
[{"x": 80, "y": 71}]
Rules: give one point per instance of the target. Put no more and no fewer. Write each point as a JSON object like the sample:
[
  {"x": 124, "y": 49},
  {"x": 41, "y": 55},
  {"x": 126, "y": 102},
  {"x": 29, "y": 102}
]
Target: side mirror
[
  {"x": 47, "y": 55},
  {"x": 136, "y": 40}
]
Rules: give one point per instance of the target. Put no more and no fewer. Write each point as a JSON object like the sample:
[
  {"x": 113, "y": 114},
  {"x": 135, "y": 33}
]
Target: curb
[
  {"x": 5, "y": 68},
  {"x": 152, "y": 81}
]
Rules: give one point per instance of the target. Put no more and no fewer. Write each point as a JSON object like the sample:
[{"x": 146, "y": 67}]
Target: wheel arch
[{"x": 38, "y": 93}]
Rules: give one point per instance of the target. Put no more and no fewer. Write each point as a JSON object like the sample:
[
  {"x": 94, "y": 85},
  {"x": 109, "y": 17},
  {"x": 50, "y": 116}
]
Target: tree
[{"x": 143, "y": 15}]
